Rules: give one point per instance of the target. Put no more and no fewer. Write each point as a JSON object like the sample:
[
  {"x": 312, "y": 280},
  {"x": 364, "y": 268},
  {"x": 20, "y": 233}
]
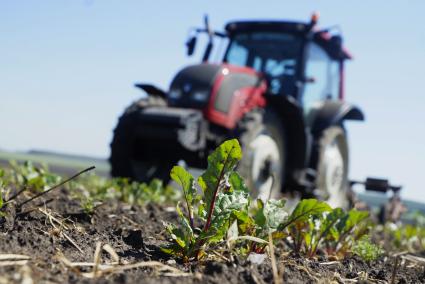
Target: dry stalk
[
  {"x": 393, "y": 276},
  {"x": 13, "y": 262},
  {"x": 277, "y": 279},
  {"x": 4, "y": 257},
  {"x": 112, "y": 253},
  {"x": 315, "y": 277},
  {"x": 97, "y": 258},
  {"x": 115, "y": 267},
  {"x": 62, "y": 225},
  {"x": 13, "y": 259},
  {"x": 137, "y": 225}
]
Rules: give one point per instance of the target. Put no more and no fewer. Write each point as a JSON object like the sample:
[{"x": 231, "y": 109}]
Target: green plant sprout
[
  {"x": 367, "y": 250},
  {"x": 93, "y": 190},
  {"x": 31, "y": 177}
]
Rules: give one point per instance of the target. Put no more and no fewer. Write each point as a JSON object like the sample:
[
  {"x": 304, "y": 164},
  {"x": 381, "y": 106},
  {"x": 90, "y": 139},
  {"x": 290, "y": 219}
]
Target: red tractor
[{"x": 279, "y": 89}]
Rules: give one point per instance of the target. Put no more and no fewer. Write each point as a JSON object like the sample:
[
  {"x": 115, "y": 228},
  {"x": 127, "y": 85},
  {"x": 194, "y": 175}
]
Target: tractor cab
[{"x": 294, "y": 58}]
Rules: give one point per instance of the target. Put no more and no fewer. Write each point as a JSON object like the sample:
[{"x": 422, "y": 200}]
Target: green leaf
[
  {"x": 305, "y": 209},
  {"x": 237, "y": 182},
  {"x": 259, "y": 217},
  {"x": 275, "y": 214},
  {"x": 172, "y": 249},
  {"x": 220, "y": 163},
  {"x": 245, "y": 221},
  {"x": 202, "y": 212},
  {"x": 350, "y": 220},
  {"x": 1, "y": 199},
  {"x": 228, "y": 205},
  {"x": 328, "y": 224},
  {"x": 177, "y": 235},
  {"x": 185, "y": 180},
  {"x": 269, "y": 216},
  {"x": 183, "y": 236},
  {"x": 355, "y": 217}
]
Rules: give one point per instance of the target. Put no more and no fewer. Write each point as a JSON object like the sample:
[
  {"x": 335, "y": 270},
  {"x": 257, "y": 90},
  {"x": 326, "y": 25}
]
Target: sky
[{"x": 67, "y": 70}]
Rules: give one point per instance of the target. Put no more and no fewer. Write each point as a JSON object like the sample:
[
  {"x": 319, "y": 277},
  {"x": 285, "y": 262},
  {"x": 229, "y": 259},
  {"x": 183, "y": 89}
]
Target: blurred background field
[{"x": 68, "y": 68}]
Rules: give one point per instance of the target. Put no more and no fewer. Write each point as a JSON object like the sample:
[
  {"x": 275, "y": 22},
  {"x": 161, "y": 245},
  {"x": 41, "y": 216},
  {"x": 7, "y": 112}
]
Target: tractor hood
[
  {"x": 192, "y": 86},
  {"x": 223, "y": 92}
]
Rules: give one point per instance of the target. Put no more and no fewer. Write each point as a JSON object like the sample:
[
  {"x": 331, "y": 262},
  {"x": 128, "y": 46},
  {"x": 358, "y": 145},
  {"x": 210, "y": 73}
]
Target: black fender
[
  {"x": 295, "y": 131},
  {"x": 332, "y": 113},
  {"x": 151, "y": 90}
]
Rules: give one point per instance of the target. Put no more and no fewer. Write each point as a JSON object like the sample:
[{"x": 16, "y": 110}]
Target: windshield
[{"x": 274, "y": 54}]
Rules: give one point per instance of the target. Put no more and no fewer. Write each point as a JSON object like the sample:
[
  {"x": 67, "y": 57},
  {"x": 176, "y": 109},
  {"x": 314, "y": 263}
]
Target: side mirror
[
  {"x": 336, "y": 40},
  {"x": 190, "y": 44}
]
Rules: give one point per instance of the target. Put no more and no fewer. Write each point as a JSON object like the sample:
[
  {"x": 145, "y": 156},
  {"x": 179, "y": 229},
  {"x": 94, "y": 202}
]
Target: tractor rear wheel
[
  {"x": 127, "y": 156},
  {"x": 263, "y": 160},
  {"x": 332, "y": 169}
]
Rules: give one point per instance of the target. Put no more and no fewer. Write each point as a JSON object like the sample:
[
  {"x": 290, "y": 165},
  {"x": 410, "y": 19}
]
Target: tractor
[{"x": 278, "y": 88}]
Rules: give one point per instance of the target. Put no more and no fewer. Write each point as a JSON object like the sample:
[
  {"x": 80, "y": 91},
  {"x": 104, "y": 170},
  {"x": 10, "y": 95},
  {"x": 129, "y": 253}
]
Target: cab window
[
  {"x": 322, "y": 74},
  {"x": 273, "y": 53}
]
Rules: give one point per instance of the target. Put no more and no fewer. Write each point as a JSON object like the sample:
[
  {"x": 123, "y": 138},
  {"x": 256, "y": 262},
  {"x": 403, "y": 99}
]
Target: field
[{"x": 96, "y": 229}]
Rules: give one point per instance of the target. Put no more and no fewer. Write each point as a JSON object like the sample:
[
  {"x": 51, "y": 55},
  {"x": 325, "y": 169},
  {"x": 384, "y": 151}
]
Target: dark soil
[{"x": 136, "y": 233}]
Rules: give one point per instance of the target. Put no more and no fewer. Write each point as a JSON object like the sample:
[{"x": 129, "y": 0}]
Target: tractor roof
[
  {"x": 322, "y": 38},
  {"x": 279, "y": 26}
]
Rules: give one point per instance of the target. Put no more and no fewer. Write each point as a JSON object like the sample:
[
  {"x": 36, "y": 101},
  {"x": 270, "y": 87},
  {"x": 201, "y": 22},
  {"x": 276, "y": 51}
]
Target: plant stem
[
  {"x": 211, "y": 208},
  {"x": 190, "y": 212}
]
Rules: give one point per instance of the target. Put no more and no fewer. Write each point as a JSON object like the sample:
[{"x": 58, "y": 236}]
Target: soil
[{"x": 136, "y": 233}]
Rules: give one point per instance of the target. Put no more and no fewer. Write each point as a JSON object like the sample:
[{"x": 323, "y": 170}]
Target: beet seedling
[
  {"x": 314, "y": 223},
  {"x": 299, "y": 224},
  {"x": 265, "y": 219},
  {"x": 224, "y": 196},
  {"x": 336, "y": 228}
]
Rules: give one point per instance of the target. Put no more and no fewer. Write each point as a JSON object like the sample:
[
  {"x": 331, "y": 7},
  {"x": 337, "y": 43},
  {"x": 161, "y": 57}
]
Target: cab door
[{"x": 322, "y": 80}]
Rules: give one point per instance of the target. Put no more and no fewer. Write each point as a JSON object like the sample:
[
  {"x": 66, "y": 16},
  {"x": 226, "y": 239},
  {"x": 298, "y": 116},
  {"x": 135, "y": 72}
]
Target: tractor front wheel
[
  {"x": 129, "y": 157},
  {"x": 332, "y": 169},
  {"x": 263, "y": 160}
]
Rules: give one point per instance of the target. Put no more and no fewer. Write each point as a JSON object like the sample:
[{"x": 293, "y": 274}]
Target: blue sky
[{"x": 67, "y": 70}]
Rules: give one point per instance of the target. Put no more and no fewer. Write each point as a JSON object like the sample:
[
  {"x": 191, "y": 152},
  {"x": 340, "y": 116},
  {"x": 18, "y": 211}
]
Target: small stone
[{"x": 256, "y": 258}]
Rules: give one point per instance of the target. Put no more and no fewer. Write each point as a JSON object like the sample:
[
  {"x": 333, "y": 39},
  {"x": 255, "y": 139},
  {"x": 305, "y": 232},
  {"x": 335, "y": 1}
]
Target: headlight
[
  {"x": 200, "y": 96},
  {"x": 175, "y": 94}
]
